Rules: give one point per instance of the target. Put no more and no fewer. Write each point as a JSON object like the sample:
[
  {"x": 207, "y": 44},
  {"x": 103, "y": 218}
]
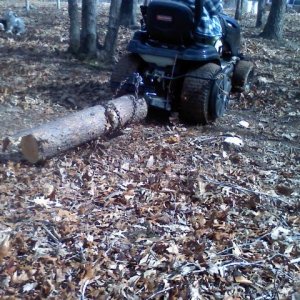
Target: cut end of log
[{"x": 30, "y": 148}]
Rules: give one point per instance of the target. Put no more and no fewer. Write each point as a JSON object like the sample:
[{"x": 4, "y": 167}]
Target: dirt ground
[{"x": 162, "y": 210}]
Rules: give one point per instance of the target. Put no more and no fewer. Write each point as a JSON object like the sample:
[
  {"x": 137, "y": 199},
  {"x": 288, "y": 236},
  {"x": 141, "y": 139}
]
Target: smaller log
[{"x": 49, "y": 139}]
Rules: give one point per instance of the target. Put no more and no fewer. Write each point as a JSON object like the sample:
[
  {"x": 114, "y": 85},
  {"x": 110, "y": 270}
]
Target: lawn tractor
[{"x": 176, "y": 70}]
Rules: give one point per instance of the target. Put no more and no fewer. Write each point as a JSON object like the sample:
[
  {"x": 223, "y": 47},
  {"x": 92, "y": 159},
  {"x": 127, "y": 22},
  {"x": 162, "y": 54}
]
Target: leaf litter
[{"x": 162, "y": 210}]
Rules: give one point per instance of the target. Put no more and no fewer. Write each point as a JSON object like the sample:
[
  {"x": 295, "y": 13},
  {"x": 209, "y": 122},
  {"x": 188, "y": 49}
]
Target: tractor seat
[{"x": 170, "y": 22}]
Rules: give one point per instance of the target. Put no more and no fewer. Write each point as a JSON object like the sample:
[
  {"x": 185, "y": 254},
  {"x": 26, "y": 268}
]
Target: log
[
  {"x": 11, "y": 147},
  {"x": 49, "y": 139}
]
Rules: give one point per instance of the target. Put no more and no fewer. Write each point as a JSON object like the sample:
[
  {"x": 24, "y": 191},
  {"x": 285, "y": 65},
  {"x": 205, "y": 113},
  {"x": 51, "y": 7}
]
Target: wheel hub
[{"x": 220, "y": 95}]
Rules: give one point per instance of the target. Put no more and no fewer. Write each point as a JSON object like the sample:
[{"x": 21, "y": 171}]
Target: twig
[
  {"x": 204, "y": 139},
  {"x": 295, "y": 261},
  {"x": 275, "y": 286},
  {"x": 244, "y": 244},
  {"x": 159, "y": 292},
  {"x": 242, "y": 264},
  {"x": 113, "y": 194},
  {"x": 54, "y": 238},
  {"x": 242, "y": 189},
  {"x": 84, "y": 288}
]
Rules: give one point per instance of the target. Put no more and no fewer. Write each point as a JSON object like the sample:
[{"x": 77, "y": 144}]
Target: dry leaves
[{"x": 160, "y": 210}]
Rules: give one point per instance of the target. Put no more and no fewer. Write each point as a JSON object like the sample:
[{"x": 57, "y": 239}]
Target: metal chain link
[
  {"x": 112, "y": 107},
  {"x": 138, "y": 80}
]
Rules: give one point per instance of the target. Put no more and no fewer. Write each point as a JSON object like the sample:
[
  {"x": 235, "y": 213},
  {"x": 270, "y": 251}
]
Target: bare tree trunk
[
  {"x": 260, "y": 12},
  {"x": 58, "y": 4},
  {"x": 244, "y": 6},
  {"x": 241, "y": 7},
  {"x": 113, "y": 29},
  {"x": 88, "y": 39},
  {"x": 47, "y": 140},
  {"x": 274, "y": 26},
  {"x": 238, "y": 10},
  {"x": 128, "y": 13},
  {"x": 27, "y": 5},
  {"x": 74, "y": 29}
]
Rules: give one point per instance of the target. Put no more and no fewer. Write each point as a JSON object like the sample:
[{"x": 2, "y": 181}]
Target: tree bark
[
  {"x": 58, "y": 4},
  {"x": 241, "y": 7},
  {"x": 260, "y": 12},
  {"x": 113, "y": 29},
  {"x": 128, "y": 13},
  {"x": 88, "y": 39},
  {"x": 274, "y": 26},
  {"x": 238, "y": 10},
  {"x": 74, "y": 29},
  {"x": 27, "y": 5},
  {"x": 47, "y": 140}
]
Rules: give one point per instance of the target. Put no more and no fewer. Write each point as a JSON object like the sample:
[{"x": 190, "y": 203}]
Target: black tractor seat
[{"x": 170, "y": 22}]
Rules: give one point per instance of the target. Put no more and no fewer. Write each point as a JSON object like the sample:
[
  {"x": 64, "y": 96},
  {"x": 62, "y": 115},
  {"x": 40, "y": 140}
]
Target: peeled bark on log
[{"x": 49, "y": 139}]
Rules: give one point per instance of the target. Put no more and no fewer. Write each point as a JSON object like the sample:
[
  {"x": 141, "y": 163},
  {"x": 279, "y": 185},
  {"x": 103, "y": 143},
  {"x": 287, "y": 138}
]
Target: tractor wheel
[
  {"x": 219, "y": 98},
  {"x": 126, "y": 66},
  {"x": 242, "y": 76},
  {"x": 198, "y": 96}
]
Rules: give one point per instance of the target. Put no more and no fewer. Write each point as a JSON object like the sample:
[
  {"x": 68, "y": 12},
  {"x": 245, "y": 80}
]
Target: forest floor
[{"x": 162, "y": 210}]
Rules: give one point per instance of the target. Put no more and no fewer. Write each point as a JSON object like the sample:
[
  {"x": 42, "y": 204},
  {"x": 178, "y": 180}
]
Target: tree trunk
[
  {"x": 128, "y": 13},
  {"x": 47, "y": 140},
  {"x": 113, "y": 29},
  {"x": 274, "y": 26},
  {"x": 58, "y": 4},
  {"x": 74, "y": 29},
  {"x": 244, "y": 6},
  {"x": 88, "y": 39},
  {"x": 241, "y": 8},
  {"x": 27, "y": 5},
  {"x": 260, "y": 12},
  {"x": 238, "y": 10}
]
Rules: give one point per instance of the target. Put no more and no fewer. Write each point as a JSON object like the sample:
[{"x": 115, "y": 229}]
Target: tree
[
  {"x": 260, "y": 12},
  {"x": 128, "y": 13},
  {"x": 274, "y": 26},
  {"x": 88, "y": 35},
  {"x": 27, "y": 5},
  {"x": 113, "y": 29},
  {"x": 74, "y": 30},
  {"x": 241, "y": 6},
  {"x": 84, "y": 43}
]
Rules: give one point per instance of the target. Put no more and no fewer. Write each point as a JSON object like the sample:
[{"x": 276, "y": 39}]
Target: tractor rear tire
[
  {"x": 127, "y": 65},
  {"x": 242, "y": 76},
  {"x": 195, "y": 105}
]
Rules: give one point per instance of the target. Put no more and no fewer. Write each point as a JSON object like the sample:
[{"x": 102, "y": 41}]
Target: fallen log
[
  {"x": 11, "y": 147},
  {"x": 49, "y": 139}
]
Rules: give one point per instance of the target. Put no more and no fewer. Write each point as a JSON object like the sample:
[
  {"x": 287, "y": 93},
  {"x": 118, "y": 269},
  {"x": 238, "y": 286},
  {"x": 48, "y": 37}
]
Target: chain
[
  {"x": 109, "y": 108},
  {"x": 138, "y": 80},
  {"x": 120, "y": 87}
]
